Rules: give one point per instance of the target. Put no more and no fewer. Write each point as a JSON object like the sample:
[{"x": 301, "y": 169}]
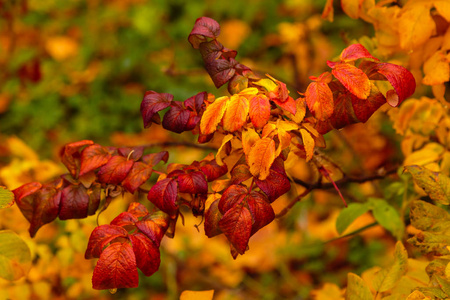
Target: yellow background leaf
[
  {"x": 197, "y": 295},
  {"x": 357, "y": 289},
  {"x": 436, "y": 69},
  {"x": 15, "y": 256},
  {"x": 329, "y": 291},
  {"x": 416, "y": 26}
]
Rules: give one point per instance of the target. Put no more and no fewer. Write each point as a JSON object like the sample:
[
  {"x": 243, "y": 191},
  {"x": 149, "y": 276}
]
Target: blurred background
[{"x": 74, "y": 70}]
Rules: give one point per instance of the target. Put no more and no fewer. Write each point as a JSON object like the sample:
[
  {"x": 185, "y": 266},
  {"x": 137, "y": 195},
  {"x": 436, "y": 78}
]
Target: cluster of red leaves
[
  {"x": 92, "y": 169},
  {"x": 129, "y": 242}
]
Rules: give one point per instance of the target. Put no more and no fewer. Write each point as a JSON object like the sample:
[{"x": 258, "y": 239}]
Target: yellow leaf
[
  {"x": 269, "y": 130},
  {"x": 357, "y": 288},
  {"x": 329, "y": 291},
  {"x": 417, "y": 295},
  {"x": 234, "y": 32},
  {"x": 416, "y": 25},
  {"x": 225, "y": 140},
  {"x": 300, "y": 104},
  {"x": 308, "y": 143},
  {"x": 261, "y": 157},
  {"x": 236, "y": 113},
  {"x": 197, "y": 295},
  {"x": 61, "y": 47},
  {"x": 249, "y": 137},
  {"x": 352, "y": 8},
  {"x": 15, "y": 256},
  {"x": 436, "y": 69},
  {"x": 213, "y": 114},
  {"x": 428, "y": 154}
]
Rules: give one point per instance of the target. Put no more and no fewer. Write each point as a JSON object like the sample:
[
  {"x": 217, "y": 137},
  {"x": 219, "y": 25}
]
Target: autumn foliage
[{"x": 254, "y": 130}]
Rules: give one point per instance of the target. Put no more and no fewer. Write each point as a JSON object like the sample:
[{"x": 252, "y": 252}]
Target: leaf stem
[{"x": 352, "y": 233}]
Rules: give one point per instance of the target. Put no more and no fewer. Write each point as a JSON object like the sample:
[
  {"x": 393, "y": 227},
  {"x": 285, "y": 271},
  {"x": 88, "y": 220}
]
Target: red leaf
[
  {"x": 102, "y": 236},
  {"x": 93, "y": 157},
  {"x": 319, "y": 99},
  {"x": 212, "y": 218},
  {"x": 364, "y": 109},
  {"x": 343, "y": 114},
  {"x": 147, "y": 254},
  {"x": 139, "y": 174},
  {"x": 124, "y": 219},
  {"x": 354, "y": 79},
  {"x": 204, "y": 28},
  {"x": 195, "y": 103},
  {"x": 39, "y": 206},
  {"x": 154, "y": 158},
  {"x": 212, "y": 50},
  {"x": 212, "y": 170},
  {"x": 71, "y": 156},
  {"x": 401, "y": 79},
  {"x": 192, "y": 183},
  {"x": 152, "y": 103},
  {"x": 151, "y": 230},
  {"x": 260, "y": 209},
  {"x": 236, "y": 224},
  {"x": 116, "y": 268},
  {"x": 137, "y": 209},
  {"x": 116, "y": 170},
  {"x": 164, "y": 195},
  {"x": 240, "y": 173},
  {"x": 288, "y": 104},
  {"x": 277, "y": 183},
  {"x": 74, "y": 202},
  {"x": 220, "y": 70},
  {"x": 354, "y": 52},
  {"x": 232, "y": 196},
  {"x": 177, "y": 119},
  {"x": 259, "y": 110}
]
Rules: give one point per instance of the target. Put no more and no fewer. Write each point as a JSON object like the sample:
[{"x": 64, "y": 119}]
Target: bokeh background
[{"x": 75, "y": 70}]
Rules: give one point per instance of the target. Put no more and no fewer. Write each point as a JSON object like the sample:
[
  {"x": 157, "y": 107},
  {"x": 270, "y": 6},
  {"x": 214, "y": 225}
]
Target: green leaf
[
  {"x": 435, "y": 184},
  {"x": 386, "y": 279},
  {"x": 357, "y": 288},
  {"x": 6, "y": 197},
  {"x": 387, "y": 217},
  {"x": 444, "y": 284},
  {"x": 350, "y": 214},
  {"x": 15, "y": 256},
  {"x": 431, "y": 242}
]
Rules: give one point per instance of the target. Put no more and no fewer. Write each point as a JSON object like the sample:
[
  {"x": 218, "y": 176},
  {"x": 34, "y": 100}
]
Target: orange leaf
[
  {"x": 261, "y": 157},
  {"x": 328, "y": 11},
  {"x": 319, "y": 99},
  {"x": 197, "y": 295},
  {"x": 417, "y": 25},
  {"x": 353, "y": 79},
  {"x": 352, "y": 8},
  {"x": 259, "y": 110},
  {"x": 308, "y": 143},
  {"x": 236, "y": 113},
  {"x": 249, "y": 138},
  {"x": 213, "y": 114}
]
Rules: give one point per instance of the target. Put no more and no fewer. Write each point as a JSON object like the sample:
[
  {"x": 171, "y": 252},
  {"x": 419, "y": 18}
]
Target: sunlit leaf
[
  {"x": 197, "y": 295},
  {"x": 139, "y": 174},
  {"x": 236, "y": 113},
  {"x": 261, "y": 157},
  {"x": 93, "y": 157},
  {"x": 213, "y": 115},
  {"x": 319, "y": 98},
  {"x": 353, "y": 79},
  {"x": 354, "y": 52},
  {"x": 259, "y": 110},
  {"x": 115, "y": 170}
]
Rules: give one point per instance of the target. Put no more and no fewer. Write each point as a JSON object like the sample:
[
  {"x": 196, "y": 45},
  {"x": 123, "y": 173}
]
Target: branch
[{"x": 180, "y": 144}]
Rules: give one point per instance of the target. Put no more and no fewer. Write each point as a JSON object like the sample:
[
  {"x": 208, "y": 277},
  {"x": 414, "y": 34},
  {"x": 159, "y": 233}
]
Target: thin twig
[{"x": 352, "y": 233}]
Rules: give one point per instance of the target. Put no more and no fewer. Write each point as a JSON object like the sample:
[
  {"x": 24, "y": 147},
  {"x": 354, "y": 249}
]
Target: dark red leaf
[
  {"x": 93, "y": 157},
  {"x": 240, "y": 173},
  {"x": 71, "y": 156},
  {"x": 94, "y": 194},
  {"x": 124, "y": 219},
  {"x": 195, "y": 103},
  {"x": 204, "y": 28},
  {"x": 211, "y": 51},
  {"x": 139, "y": 174},
  {"x": 343, "y": 114},
  {"x": 212, "y": 218},
  {"x": 151, "y": 230},
  {"x": 364, "y": 109},
  {"x": 212, "y": 170},
  {"x": 177, "y": 119},
  {"x": 152, "y": 103},
  {"x": 74, "y": 202},
  {"x": 116, "y": 268},
  {"x": 354, "y": 52},
  {"x": 192, "y": 183},
  {"x": 401, "y": 79},
  {"x": 232, "y": 196},
  {"x": 236, "y": 224},
  {"x": 277, "y": 183},
  {"x": 220, "y": 70},
  {"x": 39, "y": 206},
  {"x": 164, "y": 195},
  {"x": 116, "y": 170},
  {"x": 147, "y": 254},
  {"x": 26, "y": 189},
  {"x": 260, "y": 209},
  {"x": 134, "y": 153},
  {"x": 100, "y": 237},
  {"x": 154, "y": 158}
]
